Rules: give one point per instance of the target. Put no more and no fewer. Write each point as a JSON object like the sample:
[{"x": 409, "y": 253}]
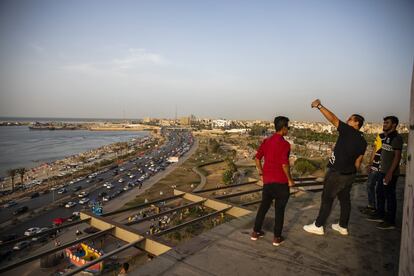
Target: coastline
[{"x": 67, "y": 165}]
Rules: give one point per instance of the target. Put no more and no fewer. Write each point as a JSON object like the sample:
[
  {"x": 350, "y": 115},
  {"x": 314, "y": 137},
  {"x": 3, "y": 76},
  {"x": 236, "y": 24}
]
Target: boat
[{"x": 81, "y": 254}]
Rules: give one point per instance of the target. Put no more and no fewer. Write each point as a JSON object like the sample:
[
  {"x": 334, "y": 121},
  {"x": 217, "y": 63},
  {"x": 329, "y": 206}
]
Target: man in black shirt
[
  {"x": 389, "y": 172},
  {"x": 345, "y": 160}
]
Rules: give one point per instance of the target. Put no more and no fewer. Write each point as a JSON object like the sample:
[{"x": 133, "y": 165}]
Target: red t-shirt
[{"x": 275, "y": 151}]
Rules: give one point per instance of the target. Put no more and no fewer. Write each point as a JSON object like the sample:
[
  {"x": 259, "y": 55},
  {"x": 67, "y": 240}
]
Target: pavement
[{"x": 228, "y": 250}]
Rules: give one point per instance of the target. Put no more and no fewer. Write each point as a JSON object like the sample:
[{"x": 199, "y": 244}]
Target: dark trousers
[
  {"x": 280, "y": 192},
  {"x": 386, "y": 196},
  {"x": 336, "y": 185},
  {"x": 372, "y": 180}
]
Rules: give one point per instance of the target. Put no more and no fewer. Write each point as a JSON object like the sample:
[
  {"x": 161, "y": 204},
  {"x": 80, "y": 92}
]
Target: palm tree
[
  {"x": 22, "y": 171},
  {"x": 12, "y": 174}
]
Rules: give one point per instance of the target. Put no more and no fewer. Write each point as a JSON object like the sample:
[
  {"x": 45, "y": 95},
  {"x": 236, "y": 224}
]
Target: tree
[
  {"x": 22, "y": 171},
  {"x": 12, "y": 174},
  {"x": 258, "y": 130},
  {"x": 227, "y": 176},
  {"x": 303, "y": 166}
]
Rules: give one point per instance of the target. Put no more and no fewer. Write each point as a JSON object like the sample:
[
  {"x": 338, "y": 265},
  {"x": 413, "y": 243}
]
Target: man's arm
[
  {"x": 358, "y": 162},
  {"x": 326, "y": 112},
  {"x": 259, "y": 167},
  {"x": 286, "y": 169},
  {"x": 394, "y": 165}
]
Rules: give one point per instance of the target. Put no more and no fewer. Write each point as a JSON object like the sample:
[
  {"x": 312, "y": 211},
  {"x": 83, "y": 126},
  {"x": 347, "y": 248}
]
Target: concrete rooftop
[{"x": 228, "y": 250}]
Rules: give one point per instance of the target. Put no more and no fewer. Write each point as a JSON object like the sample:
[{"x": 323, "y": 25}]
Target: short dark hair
[
  {"x": 393, "y": 119},
  {"x": 280, "y": 122},
  {"x": 359, "y": 119}
]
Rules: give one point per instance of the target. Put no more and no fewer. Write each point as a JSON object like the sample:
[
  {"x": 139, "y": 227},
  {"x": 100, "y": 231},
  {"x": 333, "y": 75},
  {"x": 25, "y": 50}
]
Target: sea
[{"x": 22, "y": 147}]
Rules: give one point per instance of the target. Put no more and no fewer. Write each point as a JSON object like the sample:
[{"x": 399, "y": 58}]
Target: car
[
  {"x": 110, "y": 186},
  {"x": 84, "y": 200},
  {"x": 34, "y": 195},
  {"x": 21, "y": 245},
  {"x": 41, "y": 238},
  {"x": 102, "y": 194},
  {"x": 106, "y": 198},
  {"x": 132, "y": 176},
  {"x": 9, "y": 204},
  {"x": 121, "y": 169},
  {"x": 90, "y": 230},
  {"x": 31, "y": 231},
  {"x": 43, "y": 229},
  {"x": 126, "y": 188},
  {"x": 6, "y": 255},
  {"x": 70, "y": 204},
  {"x": 77, "y": 188},
  {"x": 62, "y": 191},
  {"x": 83, "y": 194},
  {"x": 21, "y": 210},
  {"x": 121, "y": 180},
  {"x": 7, "y": 238}
]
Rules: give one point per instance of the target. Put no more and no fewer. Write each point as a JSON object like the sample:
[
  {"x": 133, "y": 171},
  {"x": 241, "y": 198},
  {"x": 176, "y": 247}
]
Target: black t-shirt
[{"x": 349, "y": 146}]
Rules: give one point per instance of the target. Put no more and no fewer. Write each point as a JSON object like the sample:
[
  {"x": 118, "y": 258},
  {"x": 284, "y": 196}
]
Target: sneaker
[
  {"x": 312, "y": 228},
  {"x": 341, "y": 230},
  {"x": 255, "y": 235},
  {"x": 376, "y": 218},
  {"x": 367, "y": 210},
  {"x": 385, "y": 225},
  {"x": 277, "y": 241}
]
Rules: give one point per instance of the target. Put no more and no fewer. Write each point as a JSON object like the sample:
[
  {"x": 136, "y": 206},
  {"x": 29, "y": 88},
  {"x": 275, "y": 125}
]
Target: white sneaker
[
  {"x": 341, "y": 230},
  {"x": 312, "y": 228}
]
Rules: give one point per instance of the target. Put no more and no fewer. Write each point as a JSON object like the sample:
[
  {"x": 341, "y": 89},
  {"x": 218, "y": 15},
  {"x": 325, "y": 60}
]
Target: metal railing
[
  {"x": 359, "y": 178},
  {"x": 51, "y": 251}
]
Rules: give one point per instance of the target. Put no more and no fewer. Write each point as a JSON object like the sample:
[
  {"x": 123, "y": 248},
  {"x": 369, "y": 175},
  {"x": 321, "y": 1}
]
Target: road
[{"x": 176, "y": 140}]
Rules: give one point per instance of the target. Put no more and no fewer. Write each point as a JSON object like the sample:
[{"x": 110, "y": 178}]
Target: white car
[
  {"x": 132, "y": 176},
  {"x": 70, "y": 204},
  {"x": 62, "y": 191},
  {"x": 110, "y": 186},
  {"x": 84, "y": 200},
  {"x": 31, "y": 231},
  {"x": 121, "y": 180},
  {"x": 83, "y": 194},
  {"x": 106, "y": 184},
  {"x": 106, "y": 198}
]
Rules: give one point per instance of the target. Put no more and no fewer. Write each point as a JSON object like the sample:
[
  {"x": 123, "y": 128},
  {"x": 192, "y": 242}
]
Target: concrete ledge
[{"x": 228, "y": 250}]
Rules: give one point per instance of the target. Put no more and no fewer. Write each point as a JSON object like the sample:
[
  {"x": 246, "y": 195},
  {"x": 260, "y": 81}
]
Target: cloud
[
  {"x": 37, "y": 48},
  {"x": 138, "y": 57}
]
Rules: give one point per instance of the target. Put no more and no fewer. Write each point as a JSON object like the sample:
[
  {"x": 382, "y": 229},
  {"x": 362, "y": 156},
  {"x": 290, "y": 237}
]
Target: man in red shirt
[{"x": 276, "y": 178}]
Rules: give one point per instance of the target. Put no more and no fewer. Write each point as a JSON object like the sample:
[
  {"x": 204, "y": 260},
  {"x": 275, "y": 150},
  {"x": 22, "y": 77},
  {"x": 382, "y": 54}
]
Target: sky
[{"x": 216, "y": 59}]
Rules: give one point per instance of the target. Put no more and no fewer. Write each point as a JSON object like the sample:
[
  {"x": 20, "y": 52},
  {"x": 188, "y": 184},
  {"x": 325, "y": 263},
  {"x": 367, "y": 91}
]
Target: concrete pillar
[{"x": 407, "y": 236}]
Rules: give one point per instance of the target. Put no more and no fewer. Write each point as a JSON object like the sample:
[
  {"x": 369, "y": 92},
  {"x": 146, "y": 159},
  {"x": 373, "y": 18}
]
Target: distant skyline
[{"x": 217, "y": 59}]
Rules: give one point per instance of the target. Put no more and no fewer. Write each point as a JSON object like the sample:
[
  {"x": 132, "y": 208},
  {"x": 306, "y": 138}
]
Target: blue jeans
[{"x": 373, "y": 178}]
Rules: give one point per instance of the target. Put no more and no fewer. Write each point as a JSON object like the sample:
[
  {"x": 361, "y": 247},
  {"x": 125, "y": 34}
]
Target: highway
[{"x": 178, "y": 142}]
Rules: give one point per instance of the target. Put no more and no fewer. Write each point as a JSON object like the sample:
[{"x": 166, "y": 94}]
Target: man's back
[{"x": 275, "y": 151}]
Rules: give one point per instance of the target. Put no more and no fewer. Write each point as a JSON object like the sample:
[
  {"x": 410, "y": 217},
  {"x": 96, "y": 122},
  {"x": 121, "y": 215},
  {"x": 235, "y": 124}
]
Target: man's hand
[
  {"x": 388, "y": 177},
  {"x": 291, "y": 183},
  {"x": 315, "y": 103}
]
